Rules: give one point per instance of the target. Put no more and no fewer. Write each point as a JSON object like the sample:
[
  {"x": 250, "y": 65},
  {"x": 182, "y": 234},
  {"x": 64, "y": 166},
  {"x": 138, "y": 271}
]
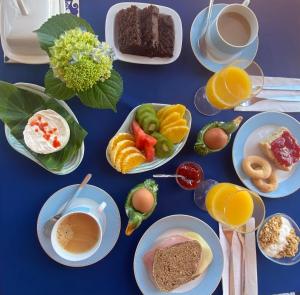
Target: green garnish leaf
[
  {"x": 57, "y": 25},
  {"x": 18, "y": 105},
  {"x": 56, "y": 88},
  {"x": 104, "y": 95}
]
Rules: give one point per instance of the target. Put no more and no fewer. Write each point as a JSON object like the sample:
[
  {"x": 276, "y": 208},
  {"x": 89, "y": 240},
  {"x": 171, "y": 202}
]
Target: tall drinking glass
[{"x": 232, "y": 85}]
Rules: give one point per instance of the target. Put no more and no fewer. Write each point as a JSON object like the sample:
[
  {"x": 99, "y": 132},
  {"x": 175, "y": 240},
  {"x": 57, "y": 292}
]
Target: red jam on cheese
[
  {"x": 47, "y": 132},
  {"x": 285, "y": 149}
]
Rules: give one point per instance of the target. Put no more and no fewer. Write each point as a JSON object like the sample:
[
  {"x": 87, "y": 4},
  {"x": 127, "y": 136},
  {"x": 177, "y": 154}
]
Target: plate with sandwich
[
  {"x": 178, "y": 254},
  {"x": 266, "y": 154}
]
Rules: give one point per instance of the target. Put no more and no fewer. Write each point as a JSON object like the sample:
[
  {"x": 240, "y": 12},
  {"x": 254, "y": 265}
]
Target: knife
[{"x": 282, "y": 87}]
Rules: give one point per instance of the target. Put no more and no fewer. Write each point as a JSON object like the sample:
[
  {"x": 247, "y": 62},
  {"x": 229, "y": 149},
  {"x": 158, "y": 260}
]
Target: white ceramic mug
[
  {"x": 220, "y": 49},
  {"x": 83, "y": 206}
]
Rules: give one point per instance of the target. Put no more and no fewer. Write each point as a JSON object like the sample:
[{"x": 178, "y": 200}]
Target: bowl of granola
[{"x": 278, "y": 239}]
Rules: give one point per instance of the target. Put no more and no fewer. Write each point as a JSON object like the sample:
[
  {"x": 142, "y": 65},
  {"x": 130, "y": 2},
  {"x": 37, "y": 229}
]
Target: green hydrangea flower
[{"x": 80, "y": 60}]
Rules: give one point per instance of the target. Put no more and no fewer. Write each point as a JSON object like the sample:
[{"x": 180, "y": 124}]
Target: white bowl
[
  {"x": 126, "y": 127},
  {"x": 19, "y": 42},
  {"x": 110, "y": 35},
  {"x": 16, "y": 145}
]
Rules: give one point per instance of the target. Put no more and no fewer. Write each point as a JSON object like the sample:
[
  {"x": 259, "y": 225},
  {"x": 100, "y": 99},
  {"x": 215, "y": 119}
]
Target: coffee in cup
[
  {"x": 78, "y": 233},
  {"x": 234, "y": 28}
]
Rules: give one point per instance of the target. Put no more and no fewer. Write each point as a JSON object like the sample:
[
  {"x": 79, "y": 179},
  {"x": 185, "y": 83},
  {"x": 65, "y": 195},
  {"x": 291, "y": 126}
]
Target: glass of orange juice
[
  {"x": 233, "y": 206},
  {"x": 232, "y": 85}
]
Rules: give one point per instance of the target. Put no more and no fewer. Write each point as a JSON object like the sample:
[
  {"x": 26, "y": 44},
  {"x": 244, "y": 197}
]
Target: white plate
[
  {"x": 16, "y": 145},
  {"x": 110, "y": 35},
  {"x": 126, "y": 127},
  {"x": 20, "y": 44},
  {"x": 177, "y": 224},
  {"x": 246, "y": 143}
]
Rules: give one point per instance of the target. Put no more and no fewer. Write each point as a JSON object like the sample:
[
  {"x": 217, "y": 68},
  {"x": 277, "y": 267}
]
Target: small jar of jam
[{"x": 192, "y": 174}]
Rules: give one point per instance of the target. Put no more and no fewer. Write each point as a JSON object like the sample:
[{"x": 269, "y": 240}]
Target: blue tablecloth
[{"x": 25, "y": 269}]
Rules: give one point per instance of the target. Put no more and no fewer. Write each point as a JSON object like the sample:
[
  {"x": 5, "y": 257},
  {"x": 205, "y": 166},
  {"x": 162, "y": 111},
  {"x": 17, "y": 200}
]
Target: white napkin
[
  {"x": 278, "y": 106},
  {"x": 250, "y": 262}
]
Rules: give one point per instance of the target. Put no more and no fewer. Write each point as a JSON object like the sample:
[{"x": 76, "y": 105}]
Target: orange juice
[
  {"x": 228, "y": 87},
  {"x": 229, "y": 204}
]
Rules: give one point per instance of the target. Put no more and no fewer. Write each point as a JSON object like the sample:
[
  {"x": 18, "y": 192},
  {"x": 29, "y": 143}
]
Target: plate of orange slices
[{"x": 151, "y": 135}]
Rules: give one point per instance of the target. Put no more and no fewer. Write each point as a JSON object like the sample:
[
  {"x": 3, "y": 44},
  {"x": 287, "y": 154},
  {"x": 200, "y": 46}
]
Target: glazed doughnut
[
  {"x": 257, "y": 167},
  {"x": 266, "y": 185}
]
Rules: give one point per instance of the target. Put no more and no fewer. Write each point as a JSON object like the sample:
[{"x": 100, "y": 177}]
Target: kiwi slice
[
  {"x": 146, "y": 113},
  {"x": 164, "y": 148},
  {"x": 150, "y": 123},
  {"x": 148, "y": 108}
]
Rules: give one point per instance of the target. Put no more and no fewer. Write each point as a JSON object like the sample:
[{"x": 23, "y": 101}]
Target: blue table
[{"x": 24, "y": 187}]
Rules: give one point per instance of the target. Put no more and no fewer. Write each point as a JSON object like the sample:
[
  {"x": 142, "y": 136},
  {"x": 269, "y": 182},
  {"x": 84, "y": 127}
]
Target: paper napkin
[
  {"x": 278, "y": 106},
  {"x": 250, "y": 262}
]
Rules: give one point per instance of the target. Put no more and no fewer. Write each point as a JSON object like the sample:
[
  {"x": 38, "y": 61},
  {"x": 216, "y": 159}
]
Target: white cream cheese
[
  {"x": 285, "y": 229},
  {"x": 46, "y": 132}
]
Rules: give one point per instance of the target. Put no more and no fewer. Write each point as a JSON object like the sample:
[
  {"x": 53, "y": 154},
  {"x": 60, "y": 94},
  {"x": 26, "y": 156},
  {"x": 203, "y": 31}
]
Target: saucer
[
  {"x": 246, "y": 143},
  {"x": 172, "y": 225},
  {"x": 93, "y": 194},
  {"x": 247, "y": 53}
]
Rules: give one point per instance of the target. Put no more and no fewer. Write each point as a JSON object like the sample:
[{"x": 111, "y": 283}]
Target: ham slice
[{"x": 165, "y": 243}]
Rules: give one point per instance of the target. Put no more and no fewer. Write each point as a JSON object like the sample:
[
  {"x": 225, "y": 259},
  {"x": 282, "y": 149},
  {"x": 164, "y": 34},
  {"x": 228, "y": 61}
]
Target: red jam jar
[{"x": 192, "y": 173}]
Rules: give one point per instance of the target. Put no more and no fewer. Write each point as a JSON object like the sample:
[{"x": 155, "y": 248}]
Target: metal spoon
[
  {"x": 173, "y": 176},
  {"x": 50, "y": 223},
  {"x": 201, "y": 41}
]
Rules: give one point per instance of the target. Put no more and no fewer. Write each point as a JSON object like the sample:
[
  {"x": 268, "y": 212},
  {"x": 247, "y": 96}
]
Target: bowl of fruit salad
[{"x": 151, "y": 135}]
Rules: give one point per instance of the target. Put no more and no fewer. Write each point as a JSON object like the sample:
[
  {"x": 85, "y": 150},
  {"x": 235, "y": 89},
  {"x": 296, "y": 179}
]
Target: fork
[{"x": 228, "y": 235}]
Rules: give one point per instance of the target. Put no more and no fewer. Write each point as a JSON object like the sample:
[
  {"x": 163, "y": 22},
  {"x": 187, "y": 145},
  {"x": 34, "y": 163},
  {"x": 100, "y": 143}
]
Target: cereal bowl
[{"x": 285, "y": 260}]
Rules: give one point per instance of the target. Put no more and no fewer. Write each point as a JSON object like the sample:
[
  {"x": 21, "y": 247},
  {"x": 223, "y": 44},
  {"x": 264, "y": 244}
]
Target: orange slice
[
  {"x": 122, "y": 155},
  {"x": 119, "y": 147},
  {"x": 176, "y": 134},
  {"x": 170, "y": 119},
  {"x": 117, "y": 138},
  {"x": 178, "y": 108},
  {"x": 180, "y": 122},
  {"x": 132, "y": 161}
]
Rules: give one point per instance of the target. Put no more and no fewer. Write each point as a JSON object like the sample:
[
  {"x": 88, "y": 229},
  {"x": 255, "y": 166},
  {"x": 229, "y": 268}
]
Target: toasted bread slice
[
  {"x": 176, "y": 265},
  {"x": 265, "y": 146}
]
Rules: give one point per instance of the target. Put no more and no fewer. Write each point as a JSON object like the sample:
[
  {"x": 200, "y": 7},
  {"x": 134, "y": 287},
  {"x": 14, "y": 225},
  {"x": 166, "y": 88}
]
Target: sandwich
[
  {"x": 177, "y": 260},
  {"x": 281, "y": 148}
]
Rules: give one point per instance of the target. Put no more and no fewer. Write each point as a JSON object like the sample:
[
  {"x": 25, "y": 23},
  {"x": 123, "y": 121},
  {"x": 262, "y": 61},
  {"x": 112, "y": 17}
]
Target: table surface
[{"x": 24, "y": 186}]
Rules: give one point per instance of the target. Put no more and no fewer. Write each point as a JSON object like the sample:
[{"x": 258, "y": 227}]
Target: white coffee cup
[
  {"x": 82, "y": 206},
  {"x": 220, "y": 49}
]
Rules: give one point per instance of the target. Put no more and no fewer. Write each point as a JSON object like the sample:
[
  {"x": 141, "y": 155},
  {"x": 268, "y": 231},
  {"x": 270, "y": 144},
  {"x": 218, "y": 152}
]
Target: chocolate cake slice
[
  {"x": 149, "y": 28},
  {"x": 166, "y": 36},
  {"x": 128, "y": 30}
]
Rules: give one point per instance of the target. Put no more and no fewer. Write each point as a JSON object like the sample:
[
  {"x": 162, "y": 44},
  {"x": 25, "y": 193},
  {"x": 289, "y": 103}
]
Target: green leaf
[
  {"x": 18, "y": 105},
  {"x": 57, "y": 25},
  {"x": 56, "y": 88},
  {"x": 104, "y": 95}
]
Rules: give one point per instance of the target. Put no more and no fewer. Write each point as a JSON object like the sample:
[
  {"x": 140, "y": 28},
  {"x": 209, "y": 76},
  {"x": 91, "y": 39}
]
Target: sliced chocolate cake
[
  {"x": 128, "y": 30},
  {"x": 166, "y": 36},
  {"x": 145, "y": 32},
  {"x": 149, "y": 28}
]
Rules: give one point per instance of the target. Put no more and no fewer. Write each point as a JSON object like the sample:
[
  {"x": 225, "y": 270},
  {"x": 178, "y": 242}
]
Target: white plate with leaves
[
  {"x": 157, "y": 162},
  {"x": 14, "y": 112}
]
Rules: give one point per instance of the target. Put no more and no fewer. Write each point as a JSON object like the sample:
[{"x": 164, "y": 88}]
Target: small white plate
[
  {"x": 126, "y": 127},
  {"x": 110, "y": 35},
  {"x": 16, "y": 145},
  {"x": 92, "y": 194}
]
